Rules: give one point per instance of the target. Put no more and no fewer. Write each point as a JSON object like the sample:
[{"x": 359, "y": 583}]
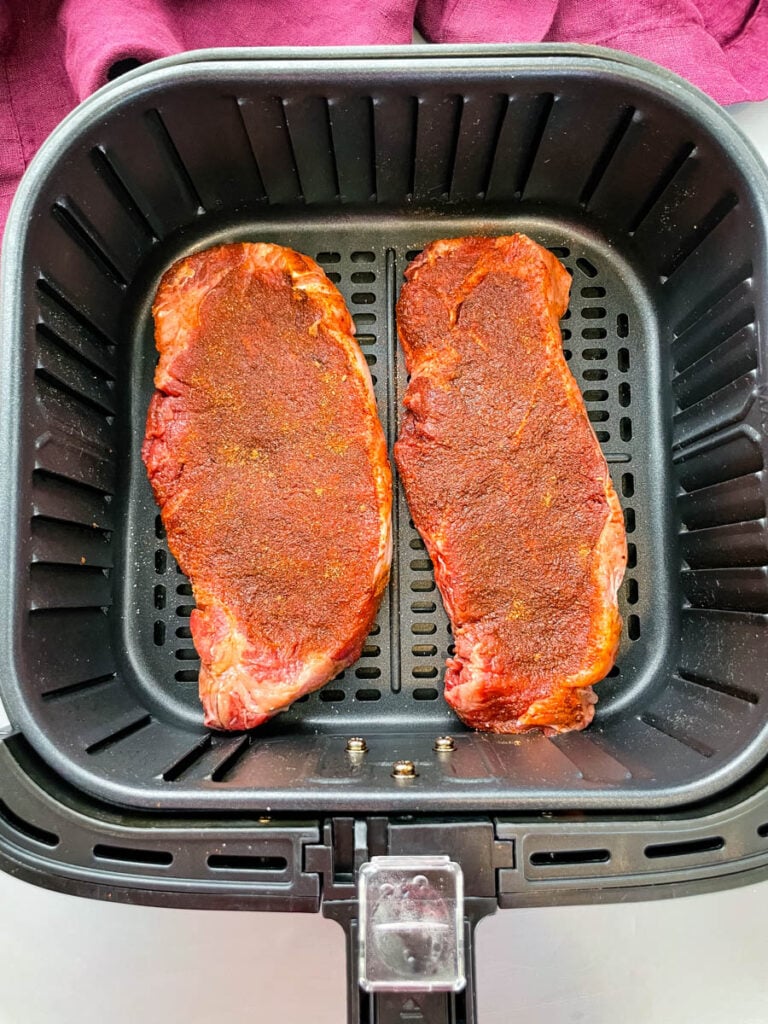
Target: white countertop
[{"x": 697, "y": 960}]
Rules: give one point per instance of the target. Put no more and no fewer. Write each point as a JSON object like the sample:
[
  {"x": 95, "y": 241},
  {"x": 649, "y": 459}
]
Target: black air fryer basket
[{"x": 657, "y": 205}]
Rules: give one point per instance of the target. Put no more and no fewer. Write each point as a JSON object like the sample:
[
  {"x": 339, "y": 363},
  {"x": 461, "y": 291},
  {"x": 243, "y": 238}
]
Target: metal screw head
[
  {"x": 264, "y": 819},
  {"x": 404, "y": 770},
  {"x": 444, "y": 744},
  {"x": 356, "y": 745}
]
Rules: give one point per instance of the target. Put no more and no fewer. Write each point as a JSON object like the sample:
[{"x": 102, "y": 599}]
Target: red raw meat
[
  {"x": 507, "y": 485},
  {"x": 268, "y": 461}
]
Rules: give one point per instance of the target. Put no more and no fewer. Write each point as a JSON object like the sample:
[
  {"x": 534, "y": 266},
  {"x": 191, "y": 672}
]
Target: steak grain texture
[
  {"x": 268, "y": 461},
  {"x": 507, "y": 485}
]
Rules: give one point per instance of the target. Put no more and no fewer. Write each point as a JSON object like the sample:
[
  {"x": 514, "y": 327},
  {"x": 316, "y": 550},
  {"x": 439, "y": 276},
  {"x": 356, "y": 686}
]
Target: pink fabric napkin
[
  {"x": 54, "y": 53},
  {"x": 719, "y": 45}
]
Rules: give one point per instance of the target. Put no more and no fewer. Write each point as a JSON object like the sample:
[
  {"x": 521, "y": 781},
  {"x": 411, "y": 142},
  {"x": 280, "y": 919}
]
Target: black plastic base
[{"x": 53, "y": 836}]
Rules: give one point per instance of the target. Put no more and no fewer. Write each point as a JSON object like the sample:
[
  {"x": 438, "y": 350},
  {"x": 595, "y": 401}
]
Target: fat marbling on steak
[
  {"x": 507, "y": 485},
  {"x": 268, "y": 461}
]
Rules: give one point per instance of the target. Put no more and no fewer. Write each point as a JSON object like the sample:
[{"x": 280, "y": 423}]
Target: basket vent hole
[
  {"x": 184, "y": 610},
  {"x": 421, "y": 564},
  {"x": 595, "y": 396},
  {"x": 602, "y": 436},
  {"x": 129, "y": 855},
  {"x": 184, "y": 633},
  {"x": 363, "y": 277},
  {"x": 423, "y": 628},
  {"x": 593, "y": 312},
  {"x": 565, "y": 334},
  {"x": 625, "y": 394},
  {"x": 629, "y": 520},
  {"x": 633, "y": 627},
  {"x": 424, "y": 650},
  {"x": 627, "y": 485},
  {"x": 370, "y": 358},
  {"x": 26, "y": 828},
  {"x": 364, "y": 319},
  {"x": 184, "y": 589},
  {"x": 424, "y": 672},
  {"x": 161, "y": 562},
  {"x": 412, "y": 254},
  {"x": 685, "y": 847},
  {"x": 560, "y": 251},
  {"x": 186, "y": 654},
  {"x": 363, "y": 257},
  {"x": 595, "y": 353},
  {"x": 417, "y": 544},
  {"x": 622, "y": 325},
  {"x": 423, "y": 607},
  {"x": 333, "y": 276},
  {"x": 597, "y": 415},
  {"x": 615, "y": 671},
  {"x": 595, "y": 375},
  {"x": 186, "y": 675},
  {"x": 243, "y": 862},
  {"x": 367, "y": 672},
  {"x": 567, "y": 354},
  {"x": 632, "y": 591},
  {"x": 554, "y": 858},
  {"x": 631, "y": 556},
  {"x": 368, "y": 695},
  {"x": 159, "y": 528},
  {"x": 451, "y": 650},
  {"x": 594, "y": 292},
  {"x": 594, "y": 333},
  {"x": 159, "y": 593},
  {"x": 332, "y": 696},
  {"x": 625, "y": 428},
  {"x": 363, "y": 298},
  {"x": 365, "y": 339},
  {"x": 370, "y": 651},
  {"x": 762, "y": 831},
  {"x": 328, "y": 257},
  {"x": 159, "y": 633},
  {"x": 425, "y": 693},
  {"x": 587, "y": 268},
  {"x": 622, "y": 357},
  {"x": 375, "y": 629}
]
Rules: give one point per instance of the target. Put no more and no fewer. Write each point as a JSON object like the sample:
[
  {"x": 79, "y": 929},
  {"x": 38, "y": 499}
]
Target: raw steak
[
  {"x": 269, "y": 464},
  {"x": 507, "y": 485}
]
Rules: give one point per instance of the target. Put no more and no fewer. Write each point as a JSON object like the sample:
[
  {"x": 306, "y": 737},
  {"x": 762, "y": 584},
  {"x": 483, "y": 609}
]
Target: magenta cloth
[{"x": 56, "y": 52}]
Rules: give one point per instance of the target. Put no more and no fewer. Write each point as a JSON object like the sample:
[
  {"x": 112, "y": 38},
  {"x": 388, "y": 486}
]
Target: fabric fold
[{"x": 55, "y": 53}]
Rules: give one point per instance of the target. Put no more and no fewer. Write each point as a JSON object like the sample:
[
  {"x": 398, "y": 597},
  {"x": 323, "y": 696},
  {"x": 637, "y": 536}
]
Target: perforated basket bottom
[
  {"x": 392, "y": 696},
  {"x": 398, "y": 680}
]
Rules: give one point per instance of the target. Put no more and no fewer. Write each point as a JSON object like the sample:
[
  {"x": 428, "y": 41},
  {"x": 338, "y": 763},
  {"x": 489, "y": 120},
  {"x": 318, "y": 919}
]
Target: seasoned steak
[
  {"x": 507, "y": 485},
  {"x": 268, "y": 461}
]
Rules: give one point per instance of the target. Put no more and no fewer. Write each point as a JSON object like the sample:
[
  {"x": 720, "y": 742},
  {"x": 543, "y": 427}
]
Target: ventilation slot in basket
[
  {"x": 560, "y": 858},
  {"x": 246, "y": 862},
  {"x": 685, "y": 848},
  {"x": 131, "y": 855},
  {"x": 26, "y": 828}
]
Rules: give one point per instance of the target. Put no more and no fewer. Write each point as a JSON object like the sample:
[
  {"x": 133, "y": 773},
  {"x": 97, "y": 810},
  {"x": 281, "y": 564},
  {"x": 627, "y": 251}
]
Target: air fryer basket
[
  {"x": 655, "y": 204},
  {"x": 654, "y": 201}
]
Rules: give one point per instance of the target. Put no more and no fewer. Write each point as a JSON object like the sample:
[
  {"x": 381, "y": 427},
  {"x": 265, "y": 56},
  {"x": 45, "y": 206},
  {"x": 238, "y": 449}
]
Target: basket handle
[{"x": 413, "y": 1007}]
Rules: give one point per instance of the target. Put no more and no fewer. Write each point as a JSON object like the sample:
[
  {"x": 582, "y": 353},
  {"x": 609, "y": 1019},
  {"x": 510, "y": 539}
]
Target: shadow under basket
[{"x": 656, "y": 205}]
